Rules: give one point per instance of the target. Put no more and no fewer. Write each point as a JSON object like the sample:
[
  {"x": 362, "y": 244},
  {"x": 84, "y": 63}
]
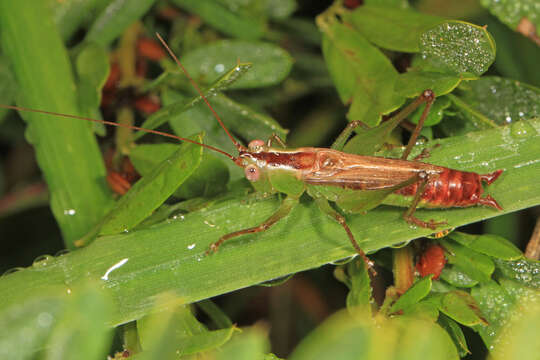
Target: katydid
[{"x": 355, "y": 183}]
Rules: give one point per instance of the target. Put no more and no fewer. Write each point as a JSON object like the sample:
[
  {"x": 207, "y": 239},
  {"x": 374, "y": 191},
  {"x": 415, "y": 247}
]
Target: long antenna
[
  {"x": 20, "y": 108},
  {"x": 238, "y": 146}
]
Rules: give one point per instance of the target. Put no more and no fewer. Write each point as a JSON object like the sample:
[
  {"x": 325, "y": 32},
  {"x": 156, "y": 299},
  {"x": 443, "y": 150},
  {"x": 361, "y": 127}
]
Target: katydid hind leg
[
  {"x": 428, "y": 97},
  {"x": 328, "y": 210},
  {"x": 285, "y": 208},
  {"x": 408, "y": 215}
]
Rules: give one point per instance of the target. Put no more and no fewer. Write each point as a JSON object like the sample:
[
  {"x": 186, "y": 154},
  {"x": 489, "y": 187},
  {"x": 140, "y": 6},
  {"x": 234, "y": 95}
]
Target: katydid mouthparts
[{"x": 355, "y": 183}]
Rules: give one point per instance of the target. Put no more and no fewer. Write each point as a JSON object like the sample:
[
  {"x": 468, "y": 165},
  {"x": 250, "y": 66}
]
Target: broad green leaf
[
  {"x": 25, "y": 327},
  {"x": 498, "y": 303},
  {"x": 417, "y": 292},
  {"x": 455, "y": 277},
  {"x": 492, "y": 245},
  {"x": 176, "y": 331},
  {"x": 418, "y": 338},
  {"x": 78, "y": 198},
  {"x": 459, "y": 47},
  {"x": 455, "y": 332},
  {"x": 357, "y": 336},
  {"x": 435, "y": 113},
  {"x": 209, "y": 179},
  {"x": 81, "y": 334},
  {"x": 501, "y": 100},
  {"x": 524, "y": 271},
  {"x": 518, "y": 339},
  {"x": 462, "y": 307},
  {"x": 170, "y": 256},
  {"x": 243, "y": 20},
  {"x": 177, "y": 105},
  {"x": 390, "y": 27},
  {"x": 474, "y": 264},
  {"x": 414, "y": 82},
  {"x": 271, "y": 64},
  {"x": 69, "y": 16},
  {"x": 114, "y": 19},
  {"x": 153, "y": 189},
  {"x": 363, "y": 76},
  {"x": 511, "y": 12},
  {"x": 251, "y": 344}
]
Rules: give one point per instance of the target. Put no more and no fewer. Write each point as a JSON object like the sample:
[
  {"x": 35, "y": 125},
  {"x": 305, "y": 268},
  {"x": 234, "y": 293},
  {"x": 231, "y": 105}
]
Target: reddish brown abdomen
[{"x": 455, "y": 188}]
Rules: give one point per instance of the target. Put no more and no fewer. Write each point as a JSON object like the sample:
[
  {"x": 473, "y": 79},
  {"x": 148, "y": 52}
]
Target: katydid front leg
[{"x": 284, "y": 209}]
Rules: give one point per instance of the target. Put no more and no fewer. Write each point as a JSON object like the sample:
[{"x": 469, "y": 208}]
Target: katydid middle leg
[
  {"x": 284, "y": 209},
  {"x": 328, "y": 210}
]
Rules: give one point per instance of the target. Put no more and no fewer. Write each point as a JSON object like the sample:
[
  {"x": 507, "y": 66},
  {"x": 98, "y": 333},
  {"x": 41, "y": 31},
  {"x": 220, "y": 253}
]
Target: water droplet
[
  {"x": 44, "y": 319},
  {"x": 522, "y": 129},
  {"x": 191, "y": 247},
  {"x": 219, "y": 68},
  {"x": 42, "y": 261},
  {"x": 12, "y": 270},
  {"x": 70, "y": 212}
]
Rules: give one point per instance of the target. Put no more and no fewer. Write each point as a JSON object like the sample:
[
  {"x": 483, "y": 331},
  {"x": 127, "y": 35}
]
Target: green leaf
[
  {"x": 474, "y": 264},
  {"x": 417, "y": 292},
  {"x": 363, "y": 76},
  {"x": 209, "y": 179},
  {"x": 176, "y": 331},
  {"x": 175, "y": 105},
  {"x": 92, "y": 65},
  {"x": 498, "y": 303},
  {"x": 249, "y": 345},
  {"x": 455, "y": 277},
  {"x": 413, "y": 82},
  {"x": 218, "y": 316},
  {"x": 435, "y": 113},
  {"x": 462, "y": 307},
  {"x": 81, "y": 334},
  {"x": 7, "y": 86},
  {"x": 170, "y": 256},
  {"x": 244, "y": 20},
  {"x": 455, "y": 333},
  {"x": 359, "y": 284},
  {"x": 459, "y": 47},
  {"x": 511, "y": 12},
  {"x": 518, "y": 339},
  {"x": 501, "y": 100},
  {"x": 524, "y": 271},
  {"x": 391, "y": 28},
  {"x": 492, "y": 245},
  {"x": 26, "y": 326},
  {"x": 56, "y": 324},
  {"x": 114, "y": 19},
  {"x": 153, "y": 189},
  {"x": 271, "y": 64},
  {"x": 78, "y": 198}
]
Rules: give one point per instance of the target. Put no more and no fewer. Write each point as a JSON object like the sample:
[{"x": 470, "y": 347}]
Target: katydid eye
[
  {"x": 252, "y": 172},
  {"x": 255, "y": 144}
]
